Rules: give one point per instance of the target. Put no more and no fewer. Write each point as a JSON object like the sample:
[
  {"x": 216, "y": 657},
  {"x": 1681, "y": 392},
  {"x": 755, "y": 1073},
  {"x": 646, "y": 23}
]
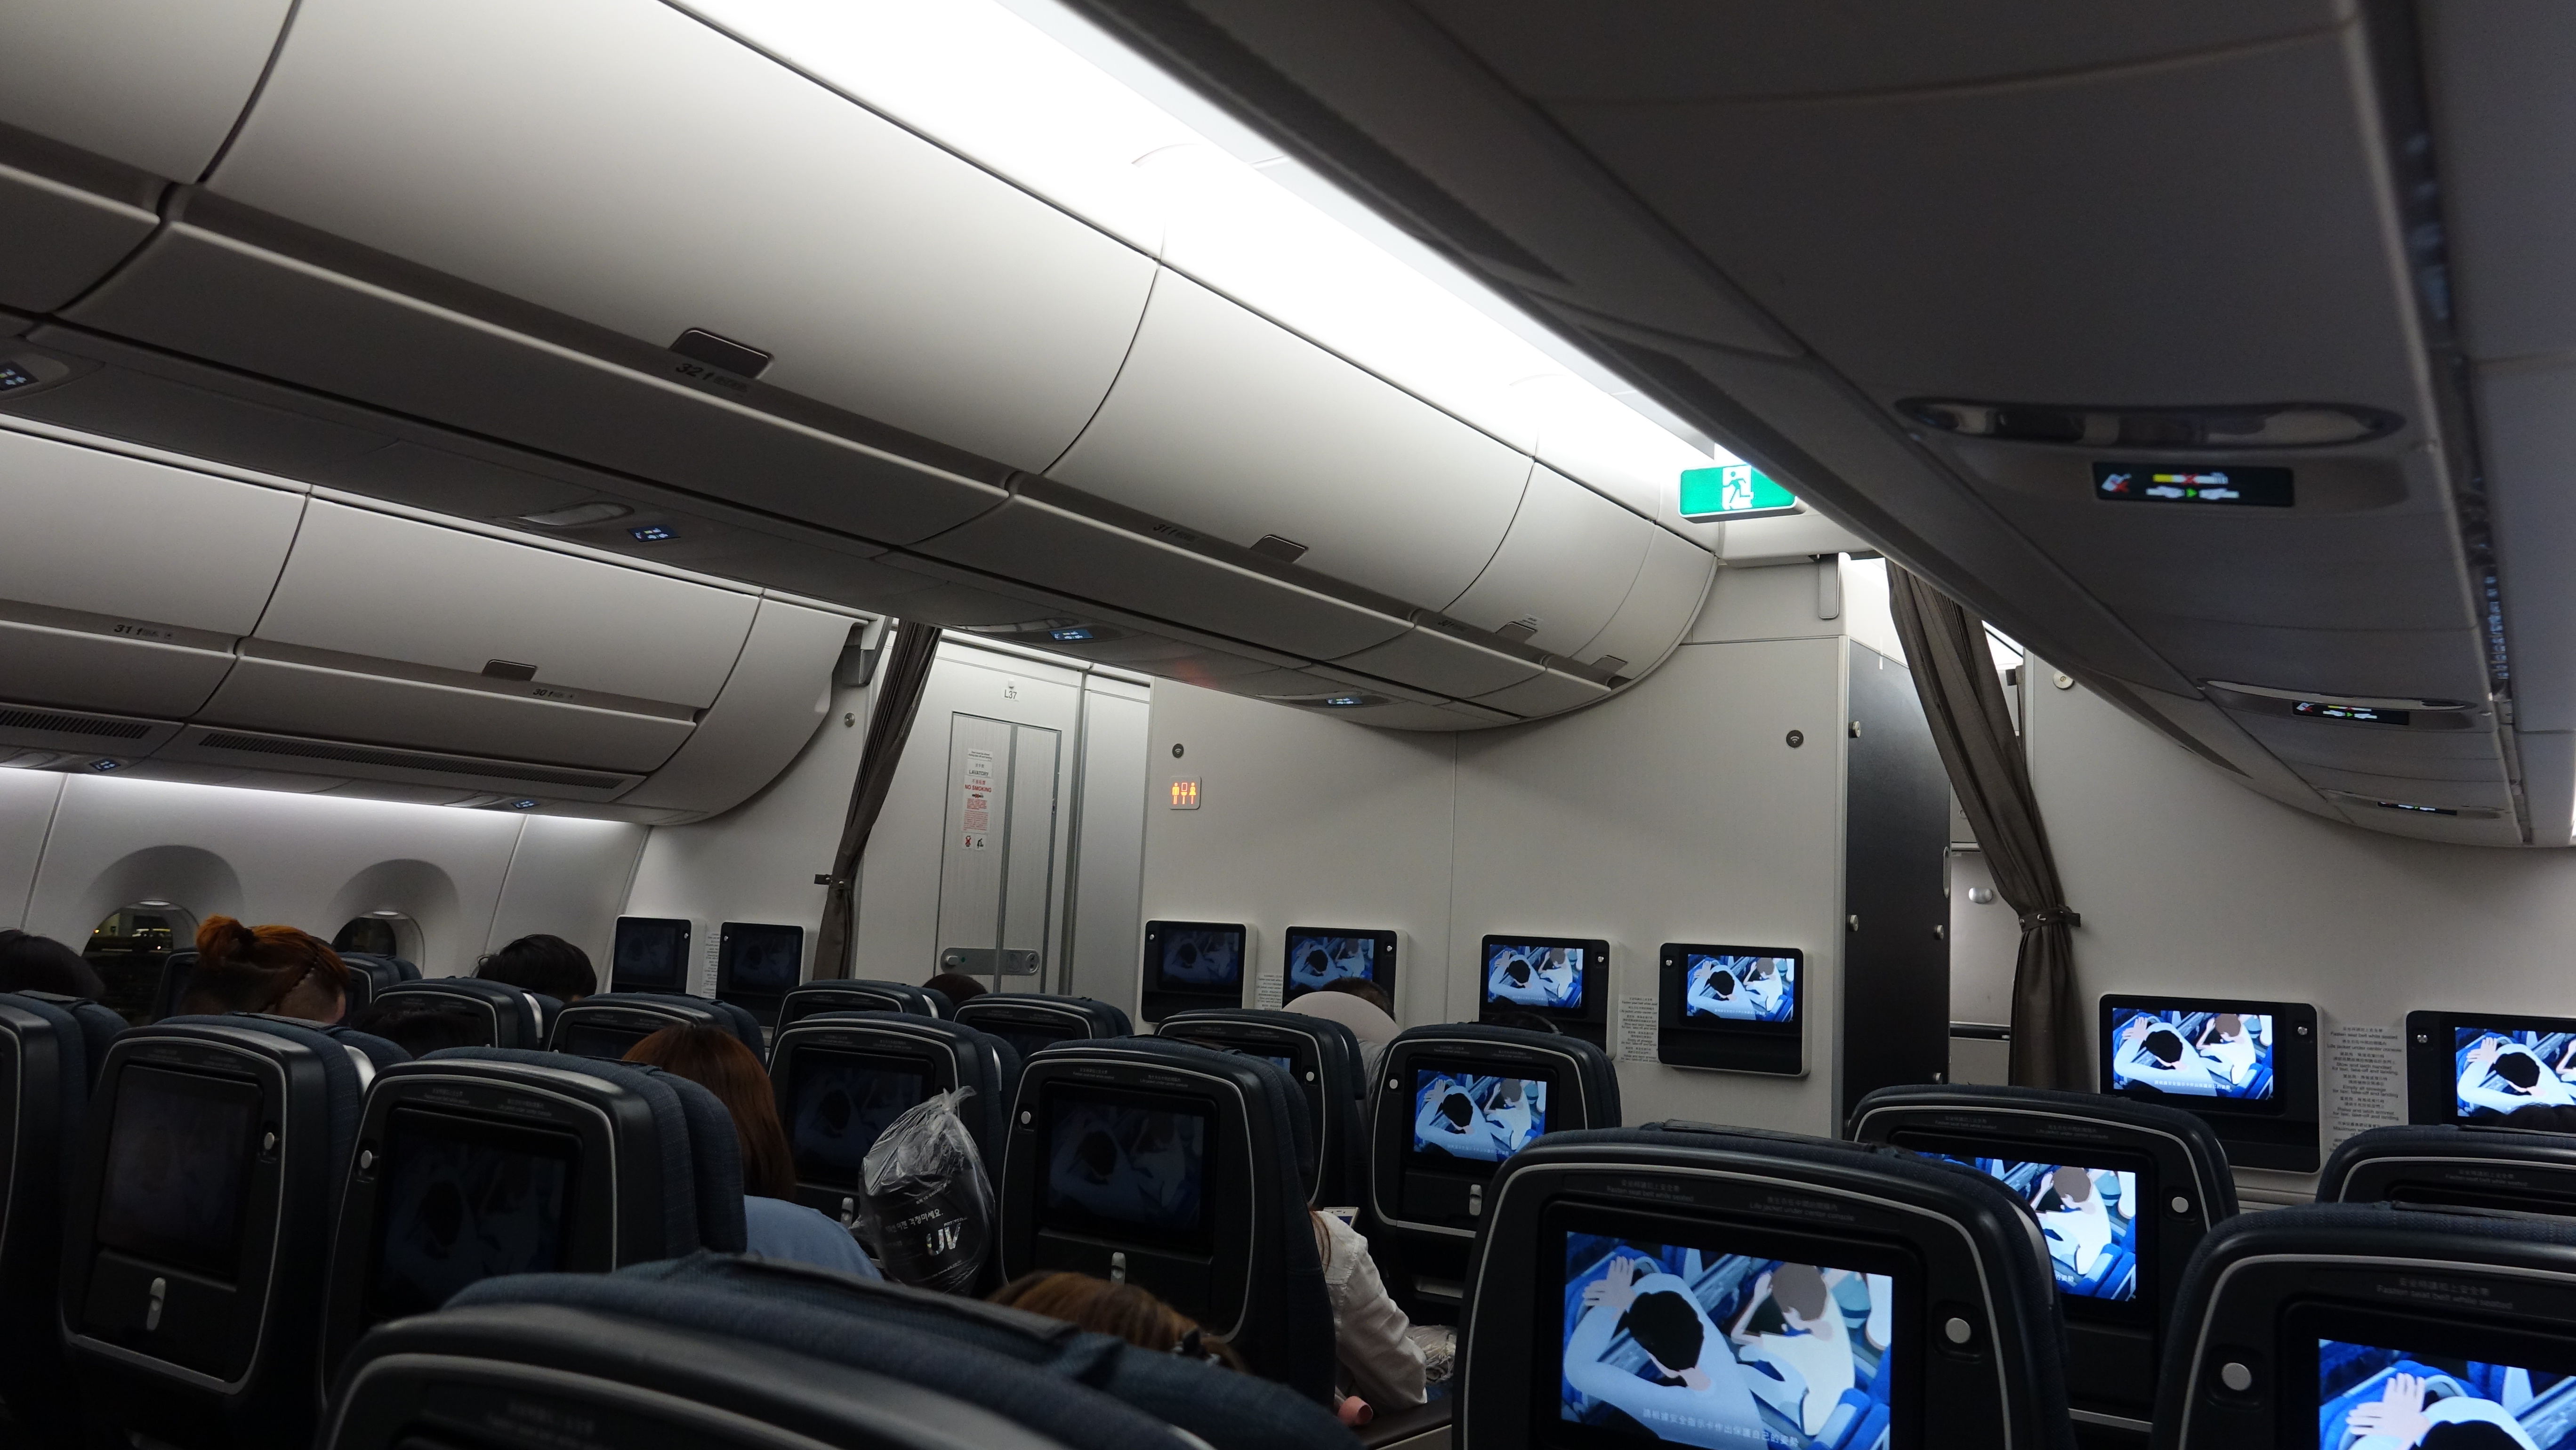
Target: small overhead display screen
[
  {"x": 758, "y": 959},
  {"x": 1195, "y": 957},
  {"x": 1704, "y": 1343},
  {"x": 651, "y": 954},
  {"x": 1321, "y": 956},
  {"x": 1726, "y": 988},
  {"x": 1478, "y": 1118},
  {"x": 2202, "y": 484},
  {"x": 2499, "y": 1071},
  {"x": 1528, "y": 974},
  {"x": 2370, "y": 1396},
  {"x": 2192, "y": 1054}
]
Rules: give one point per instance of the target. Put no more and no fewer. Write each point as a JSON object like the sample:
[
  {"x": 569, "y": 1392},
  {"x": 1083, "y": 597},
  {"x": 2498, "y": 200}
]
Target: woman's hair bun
[{"x": 223, "y": 939}]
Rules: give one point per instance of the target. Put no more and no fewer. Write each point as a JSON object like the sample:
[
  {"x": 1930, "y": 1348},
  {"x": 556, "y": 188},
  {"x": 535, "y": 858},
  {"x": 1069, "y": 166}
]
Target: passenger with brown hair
[
  {"x": 1121, "y": 1311},
  {"x": 778, "y": 1227},
  {"x": 274, "y": 969}
]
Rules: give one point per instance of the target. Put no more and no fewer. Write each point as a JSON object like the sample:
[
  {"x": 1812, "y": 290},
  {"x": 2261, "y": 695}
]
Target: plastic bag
[{"x": 924, "y": 1203}]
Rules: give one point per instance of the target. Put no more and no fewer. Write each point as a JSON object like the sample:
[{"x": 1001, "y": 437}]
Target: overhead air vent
[
  {"x": 73, "y": 724},
  {"x": 2262, "y": 425},
  {"x": 408, "y": 760},
  {"x": 1286, "y": 551},
  {"x": 699, "y": 345}
]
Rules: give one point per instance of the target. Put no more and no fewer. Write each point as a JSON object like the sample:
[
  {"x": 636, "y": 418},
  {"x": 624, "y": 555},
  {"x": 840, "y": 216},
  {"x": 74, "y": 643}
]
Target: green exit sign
[{"x": 1735, "y": 491}]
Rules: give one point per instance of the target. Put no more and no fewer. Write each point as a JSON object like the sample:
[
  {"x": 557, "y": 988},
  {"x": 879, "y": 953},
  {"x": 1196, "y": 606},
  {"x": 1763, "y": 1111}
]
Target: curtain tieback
[{"x": 2051, "y": 916}]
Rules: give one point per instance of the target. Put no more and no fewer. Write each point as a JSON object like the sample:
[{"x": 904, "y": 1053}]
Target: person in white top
[
  {"x": 1814, "y": 1357},
  {"x": 1358, "y": 1004},
  {"x": 2504, "y": 1076},
  {"x": 1690, "y": 1390},
  {"x": 1380, "y": 1362},
  {"x": 2079, "y": 1228},
  {"x": 2153, "y": 1054},
  {"x": 2399, "y": 1419}
]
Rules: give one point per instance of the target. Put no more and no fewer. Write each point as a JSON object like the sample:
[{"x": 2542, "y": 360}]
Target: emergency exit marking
[{"x": 1185, "y": 794}]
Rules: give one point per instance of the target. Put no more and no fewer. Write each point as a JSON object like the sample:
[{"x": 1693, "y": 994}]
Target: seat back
[
  {"x": 2147, "y": 1183},
  {"x": 46, "y": 1051},
  {"x": 860, "y": 996},
  {"x": 1820, "y": 1294},
  {"x": 371, "y": 976},
  {"x": 1330, "y": 1070},
  {"x": 2472, "y": 1170},
  {"x": 513, "y": 1015},
  {"x": 1227, "y": 1410},
  {"x": 605, "y": 1026},
  {"x": 1430, "y": 1158},
  {"x": 475, "y": 1162},
  {"x": 175, "y": 970},
  {"x": 191, "y": 1286},
  {"x": 1030, "y": 1021},
  {"x": 650, "y": 1364},
  {"x": 2303, "y": 1325},
  {"x": 1174, "y": 1167},
  {"x": 841, "y": 1077}
]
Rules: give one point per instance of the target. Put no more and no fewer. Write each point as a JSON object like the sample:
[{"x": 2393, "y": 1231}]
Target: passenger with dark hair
[
  {"x": 1526, "y": 1022},
  {"x": 2543, "y": 1118},
  {"x": 1121, "y": 1311},
  {"x": 421, "y": 1025},
  {"x": 716, "y": 1060},
  {"x": 274, "y": 969},
  {"x": 30, "y": 963},
  {"x": 546, "y": 965},
  {"x": 957, "y": 987}
]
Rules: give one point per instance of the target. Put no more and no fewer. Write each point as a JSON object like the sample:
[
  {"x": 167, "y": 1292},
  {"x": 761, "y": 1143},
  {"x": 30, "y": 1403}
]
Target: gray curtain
[
  {"x": 907, "y": 671},
  {"x": 1954, "y": 674}
]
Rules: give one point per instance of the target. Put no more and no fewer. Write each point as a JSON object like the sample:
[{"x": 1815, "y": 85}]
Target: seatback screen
[
  {"x": 1128, "y": 1166},
  {"x": 1699, "y": 1344},
  {"x": 2499, "y": 1071},
  {"x": 1530, "y": 975},
  {"x": 1739, "y": 989},
  {"x": 1199, "y": 959},
  {"x": 2192, "y": 1054},
  {"x": 1314, "y": 960},
  {"x": 837, "y": 1105},
  {"x": 651, "y": 954},
  {"x": 1465, "y": 1116},
  {"x": 1026, "y": 1040},
  {"x": 2371, "y": 1397},
  {"x": 178, "y": 1169},
  {"x": 2089, "y": 1217},
  {"x": 462, "y": 1200}
]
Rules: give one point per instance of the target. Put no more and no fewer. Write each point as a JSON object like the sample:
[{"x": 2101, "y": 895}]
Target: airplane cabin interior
[{"x": 1287, "y": 725}]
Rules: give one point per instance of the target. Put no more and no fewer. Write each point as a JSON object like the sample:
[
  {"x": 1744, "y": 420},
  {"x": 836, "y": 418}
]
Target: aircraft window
[
  {"x": 380, "y": 933},
  {"x": 129, "y": 947}
]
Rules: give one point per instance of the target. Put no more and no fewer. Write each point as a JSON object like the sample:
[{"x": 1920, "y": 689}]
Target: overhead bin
[
  {"x": 399, "y": 632},
  {"x": 1429, "y": 658},
  {"x": 622, "y": 163},
  {"x": 123, "y": 582},
  {"x": 155, "y": 84},
  {"x": 1563, "y": 570},
  {"x": 63, "y": 221},
  {"x": 777, "y": 695},
  {"x": 1228, "y": 425},
  {"x": 1671, "y": 582}
]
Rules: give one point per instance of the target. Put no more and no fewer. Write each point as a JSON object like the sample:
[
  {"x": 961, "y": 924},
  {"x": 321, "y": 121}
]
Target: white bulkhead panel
[
  {"x": 629, "y": 166},
  {"x": 156, "y": 84},
  {"x": 779, "y": 691},
  {"x": 1670, "y": 585},
  {"x": 1226, "y": 423},
  {"x": 1563, "y": 570},
  {"x": 123, "y": 582}
]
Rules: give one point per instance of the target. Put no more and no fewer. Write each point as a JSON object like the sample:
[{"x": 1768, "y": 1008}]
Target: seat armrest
[{"x": 1423, "y": 1427}]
